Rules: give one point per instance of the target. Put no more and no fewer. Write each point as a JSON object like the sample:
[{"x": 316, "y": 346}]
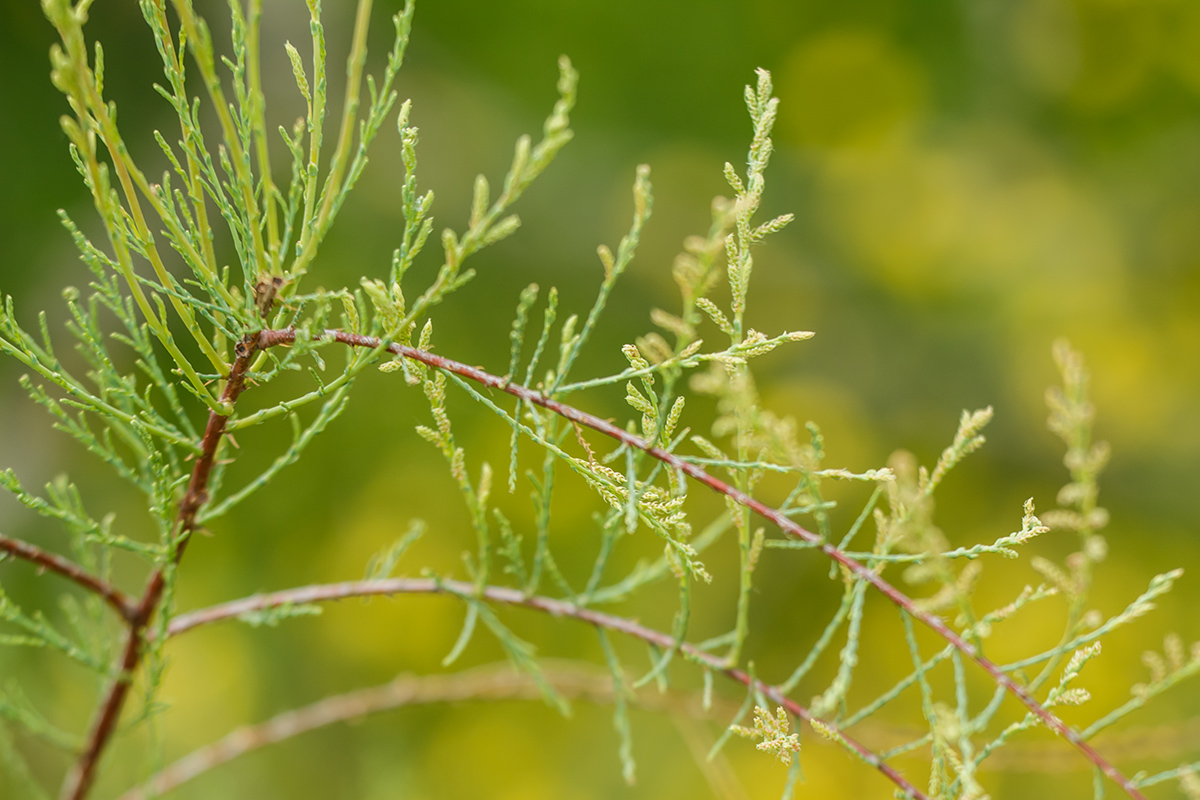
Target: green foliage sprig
[{"x": 196, "y": 344}]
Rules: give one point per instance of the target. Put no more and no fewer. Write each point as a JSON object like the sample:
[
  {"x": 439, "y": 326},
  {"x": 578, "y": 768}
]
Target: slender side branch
[
  {"x": 486, "y": 683},
  {"x": 79, "y": 780},
  {"x": 124, "y": 605},
  {"x": 273, "y": 337},
  {"x": 515, "y": 597}
]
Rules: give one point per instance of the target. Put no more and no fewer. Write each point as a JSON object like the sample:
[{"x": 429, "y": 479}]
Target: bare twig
[
  {"x": 503, "y": 594},
  {"x": 79, "y": 780},
  {"x": 486, "y": 683},
  {"x": 270, "y": 338},
  {"x": 124, "y": 605}
]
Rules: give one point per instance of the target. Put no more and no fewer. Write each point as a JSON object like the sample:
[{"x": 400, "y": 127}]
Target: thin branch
[
  {"x": 79, "y": 779},
  {"x": 124, "y": 605},
  {"x": 270, "y": 338},
  {"x": 503, "y": 594},
  {"x": 497, "y": 682},
  {"x": 487, "y": 683}
]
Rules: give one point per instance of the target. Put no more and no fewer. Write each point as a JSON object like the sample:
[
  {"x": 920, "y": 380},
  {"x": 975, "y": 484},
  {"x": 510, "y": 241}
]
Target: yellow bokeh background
[{"x": 971, "y": 181}]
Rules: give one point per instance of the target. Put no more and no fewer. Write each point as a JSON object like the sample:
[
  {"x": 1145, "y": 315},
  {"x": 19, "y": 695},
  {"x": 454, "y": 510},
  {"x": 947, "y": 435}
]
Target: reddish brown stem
[
  {"x": 79, "y": 780},
  {"x": 124, "y": 605},
  {"x": 273, "y": 337},
  {"x": 557, "y": 608}
]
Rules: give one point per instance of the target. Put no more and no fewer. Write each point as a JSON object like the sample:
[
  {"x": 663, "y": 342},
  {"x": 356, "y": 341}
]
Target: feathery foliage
[{"x": 174, "y": 346}]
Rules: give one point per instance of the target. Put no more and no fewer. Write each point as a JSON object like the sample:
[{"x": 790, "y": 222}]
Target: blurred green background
[{"x": 971, "y": 180}]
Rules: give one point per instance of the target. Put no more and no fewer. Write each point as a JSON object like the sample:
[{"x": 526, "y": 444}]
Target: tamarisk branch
[
  {"x": 124, "y": 605},
  {"x": 270, "y": 338},
  {"x": 556, "y": 608}
]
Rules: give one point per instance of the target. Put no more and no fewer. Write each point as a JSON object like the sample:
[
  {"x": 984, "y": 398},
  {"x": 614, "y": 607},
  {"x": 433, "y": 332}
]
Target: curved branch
[
  {"x": 489, "y": 682},
  {"x": 558, "y": 608},
  {"x": 124, "y": 605},
  {"x": 270, "y": 338}
]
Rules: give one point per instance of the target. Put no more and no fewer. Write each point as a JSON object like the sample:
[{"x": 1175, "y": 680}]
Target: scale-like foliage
[{"x": 166, "y": 333}]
